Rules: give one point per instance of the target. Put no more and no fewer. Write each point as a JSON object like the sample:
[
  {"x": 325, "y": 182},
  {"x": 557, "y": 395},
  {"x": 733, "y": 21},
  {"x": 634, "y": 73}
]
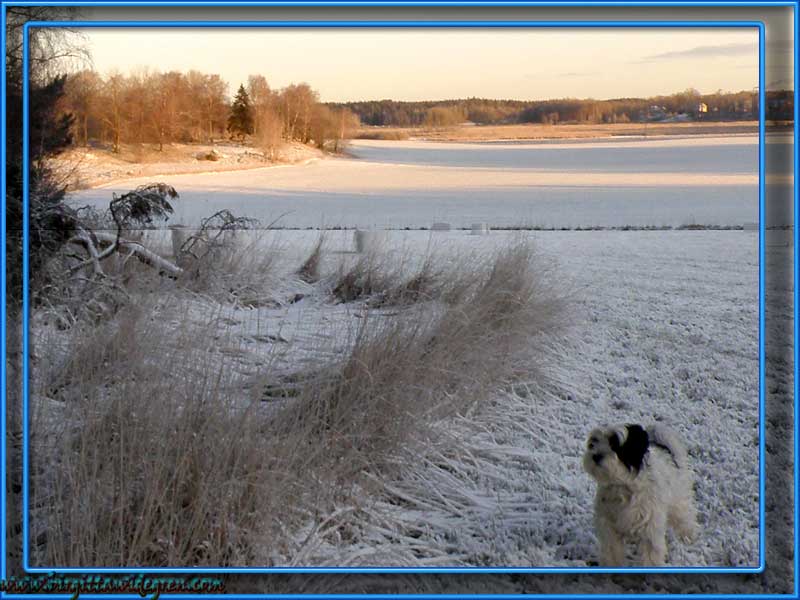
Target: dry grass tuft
[
  {"x": 404, "y": 374},
  {"x": 370, "y": 275},
  {"x": 239, "y": 271},
  {"x": 428, "y": 283},
  {"x": 309, "y": 271}
]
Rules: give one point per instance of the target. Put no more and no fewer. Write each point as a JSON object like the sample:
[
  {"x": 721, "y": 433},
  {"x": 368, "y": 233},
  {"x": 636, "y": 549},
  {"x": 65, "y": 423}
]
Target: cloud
[
  {"x": 575, "y": 74},
  {"x": 719, "y": 51}
]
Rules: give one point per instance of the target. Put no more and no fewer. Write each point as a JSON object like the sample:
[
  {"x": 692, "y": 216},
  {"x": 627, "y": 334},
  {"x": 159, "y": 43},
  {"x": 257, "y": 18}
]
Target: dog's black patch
[{"x": 632, "y": 452}]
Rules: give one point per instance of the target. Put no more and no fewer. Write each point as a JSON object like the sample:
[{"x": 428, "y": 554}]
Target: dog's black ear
[
  {"x": 632, "y": 452},
  {"x": 613, "y": 442}
]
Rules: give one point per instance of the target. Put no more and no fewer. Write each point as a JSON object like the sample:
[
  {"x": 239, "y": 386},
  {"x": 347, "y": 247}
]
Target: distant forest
[
  {"x": 689, "y": 104},
  {"x": 162, "y": 108}
]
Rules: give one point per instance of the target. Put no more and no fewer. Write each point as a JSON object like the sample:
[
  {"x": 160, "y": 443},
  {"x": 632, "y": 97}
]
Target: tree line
[
  {"x": 717, "y": 106},
  {"x": 162, "y": 108}
]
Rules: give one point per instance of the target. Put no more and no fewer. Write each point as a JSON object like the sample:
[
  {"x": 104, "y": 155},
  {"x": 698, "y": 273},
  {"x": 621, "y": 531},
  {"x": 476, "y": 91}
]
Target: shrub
[{"x": 370, "y": 275}]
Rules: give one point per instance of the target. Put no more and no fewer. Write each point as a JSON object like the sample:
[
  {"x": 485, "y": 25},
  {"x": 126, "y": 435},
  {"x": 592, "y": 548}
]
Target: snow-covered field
[
  {"x": 664, "y": 327},
  {"x": 708, "y": 181}
]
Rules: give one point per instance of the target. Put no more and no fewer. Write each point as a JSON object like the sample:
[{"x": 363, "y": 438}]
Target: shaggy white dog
[{"x": 644, "y": 485}]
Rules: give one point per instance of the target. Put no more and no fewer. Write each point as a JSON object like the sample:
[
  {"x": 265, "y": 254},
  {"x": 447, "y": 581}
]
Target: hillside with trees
[
  {"x": 688, "y": 104},
  {"x": 149, "y": 107}
]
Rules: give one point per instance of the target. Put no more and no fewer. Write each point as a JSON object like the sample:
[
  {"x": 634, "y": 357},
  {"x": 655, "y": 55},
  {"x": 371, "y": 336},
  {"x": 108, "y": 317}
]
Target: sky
[{"x": 433, "y": 64}]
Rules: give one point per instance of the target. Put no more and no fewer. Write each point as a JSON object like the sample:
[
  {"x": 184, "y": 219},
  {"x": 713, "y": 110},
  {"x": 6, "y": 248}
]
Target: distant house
[{"x": 702, "y": 108}]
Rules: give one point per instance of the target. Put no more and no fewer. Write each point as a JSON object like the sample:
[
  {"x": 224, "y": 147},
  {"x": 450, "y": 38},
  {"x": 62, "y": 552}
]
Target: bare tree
[
  {"x": 111, "y": 108},
  {"x": 215, "y": 106},
  {"x": 347, "y": 123},
  {"x": 270, "y": 133},
  {"x": 51, "y": 50},
  {"x": 322, "y": 126},
  {"x": 82, "y": 91},
  {"x": 164, "y": 116},
  {"x": 295, "y": 105},
  {"x": 137, "y": 103},
  {"x": 260, "y": 98},
  {"x": 195, "y": 83}
]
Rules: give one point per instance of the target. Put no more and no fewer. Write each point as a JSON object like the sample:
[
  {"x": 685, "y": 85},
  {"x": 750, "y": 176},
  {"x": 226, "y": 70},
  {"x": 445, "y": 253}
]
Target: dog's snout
[{"x": 597, "y": 458}]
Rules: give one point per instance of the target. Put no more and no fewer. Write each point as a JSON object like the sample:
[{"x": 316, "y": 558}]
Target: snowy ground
[
  {"x": 664, "y": 329},
  {"x": 83, "y": 168}
]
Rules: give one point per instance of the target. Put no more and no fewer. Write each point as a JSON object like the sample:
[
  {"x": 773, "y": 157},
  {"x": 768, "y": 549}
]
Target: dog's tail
[{"x": 666, "y": 439}]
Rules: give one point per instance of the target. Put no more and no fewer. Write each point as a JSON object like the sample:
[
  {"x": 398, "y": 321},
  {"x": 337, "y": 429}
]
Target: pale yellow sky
[{"x": 426, "y": 64}]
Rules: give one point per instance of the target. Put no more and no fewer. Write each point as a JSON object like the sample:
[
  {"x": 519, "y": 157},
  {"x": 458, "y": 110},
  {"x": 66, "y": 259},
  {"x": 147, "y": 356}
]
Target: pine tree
[
  {"x": 241, "y": 120},
  {"x": 48, "y": 133}
]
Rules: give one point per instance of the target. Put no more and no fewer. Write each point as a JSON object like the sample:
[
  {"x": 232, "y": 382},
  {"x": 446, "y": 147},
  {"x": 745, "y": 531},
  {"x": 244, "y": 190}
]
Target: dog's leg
[
  {"x": 612, "y": 547},
  {"x": 653, "y": 545},
  {"x": 654, "y": 553},
  {"x": 683, "y": 520}
]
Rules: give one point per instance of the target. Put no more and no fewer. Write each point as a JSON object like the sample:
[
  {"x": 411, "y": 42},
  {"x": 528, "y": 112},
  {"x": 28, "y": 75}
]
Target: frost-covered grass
[
  {"x": 665, "y": 329},
  {"x": 301, "y": 430},
  {"x": 192, "y": 457}
]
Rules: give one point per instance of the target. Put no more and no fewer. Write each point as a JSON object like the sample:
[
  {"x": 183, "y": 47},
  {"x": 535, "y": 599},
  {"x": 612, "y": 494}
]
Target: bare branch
[
  {"x": 84, "y": 238},
  {"x": 140, "y": 252}
]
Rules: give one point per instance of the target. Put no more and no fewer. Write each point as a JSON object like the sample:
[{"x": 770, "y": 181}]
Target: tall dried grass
[
  {"x": 241, "y": 270},
  {"x": 150, "y": 460},
  {"x": 146, "y": 453},
  {"x": 370, "y": 275},
  {"x": 309, "y": 271},
  {"x": 486, "y": 327}
]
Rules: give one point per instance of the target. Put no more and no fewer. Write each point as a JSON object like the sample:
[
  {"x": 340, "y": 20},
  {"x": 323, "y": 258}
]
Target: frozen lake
[{"x": 708, "y": 180}]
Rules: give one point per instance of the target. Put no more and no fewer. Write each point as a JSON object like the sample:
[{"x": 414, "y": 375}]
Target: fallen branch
[
  {"x": 140, "y": 252},
  {"x": 85, "y": 239},
  {"x": 138, "y": 206}
]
